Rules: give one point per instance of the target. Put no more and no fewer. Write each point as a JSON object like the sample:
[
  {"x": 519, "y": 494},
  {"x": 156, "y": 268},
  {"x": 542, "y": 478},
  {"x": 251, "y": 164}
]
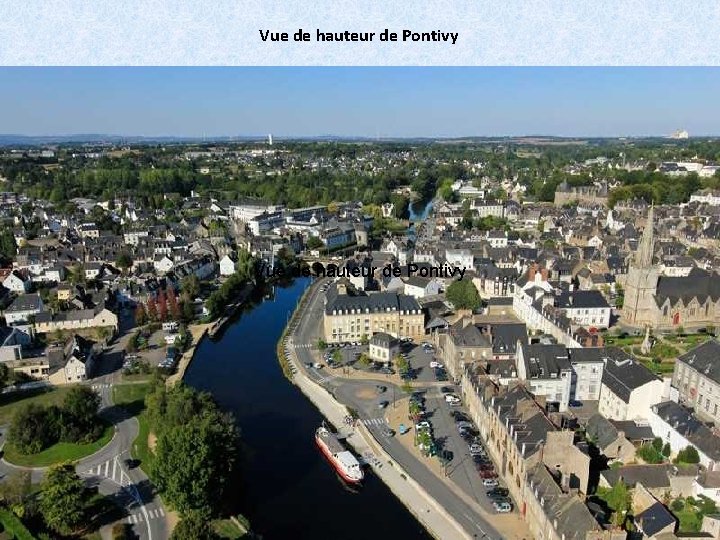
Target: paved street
[
  {"x": 464, "y": 490},
  {"x": 107, "y": 468}
]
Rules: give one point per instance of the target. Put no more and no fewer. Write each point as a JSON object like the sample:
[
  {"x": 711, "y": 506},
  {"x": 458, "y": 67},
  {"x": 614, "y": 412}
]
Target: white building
[
  {"x": 677, "y": 426},
  {"x": 227, "y": 266},
  {"x": 547, "y": 372},
  {"x": 628, "y": 389},
  {"x": 23, "y": 308}
]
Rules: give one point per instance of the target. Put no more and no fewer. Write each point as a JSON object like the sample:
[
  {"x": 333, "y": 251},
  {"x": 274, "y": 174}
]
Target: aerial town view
[{"x": 456, "y": 304}]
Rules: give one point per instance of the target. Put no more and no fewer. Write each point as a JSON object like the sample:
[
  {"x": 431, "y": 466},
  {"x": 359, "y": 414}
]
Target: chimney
[
  {"x": 544, "y": 274},
  {"x": 531, "y": 274}
]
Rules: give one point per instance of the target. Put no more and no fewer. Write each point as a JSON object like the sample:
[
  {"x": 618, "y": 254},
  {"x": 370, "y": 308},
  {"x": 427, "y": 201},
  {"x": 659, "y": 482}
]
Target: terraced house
[
  {"x": 546, "y": 473},
  {"x": 697, "y": 379}
]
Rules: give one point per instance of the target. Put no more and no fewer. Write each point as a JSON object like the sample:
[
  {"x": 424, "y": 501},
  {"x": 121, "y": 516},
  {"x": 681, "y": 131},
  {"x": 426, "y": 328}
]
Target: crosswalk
[
  {"x": 110, "y": 469},
  {"x": 99, "y": 387},
  {"x": 326, "y": 378},
  {"x": 138, "y": 517},
  {"x": 374, "y": 421},
  {"x": 303, "y": 346}
]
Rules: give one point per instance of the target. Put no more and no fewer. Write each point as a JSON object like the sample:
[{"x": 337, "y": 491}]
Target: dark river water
[{"x": 286, "y": 488}]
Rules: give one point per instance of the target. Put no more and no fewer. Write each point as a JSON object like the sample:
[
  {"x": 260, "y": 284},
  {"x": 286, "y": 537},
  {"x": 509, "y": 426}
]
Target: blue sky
[{"x": 385, "y": 102}]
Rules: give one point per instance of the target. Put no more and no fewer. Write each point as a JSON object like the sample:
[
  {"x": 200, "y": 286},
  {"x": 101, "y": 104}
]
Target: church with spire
[{"x": 663, "y": 302}]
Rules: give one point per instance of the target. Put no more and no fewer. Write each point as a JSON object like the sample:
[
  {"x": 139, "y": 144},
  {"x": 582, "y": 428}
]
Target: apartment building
[{"x": 350, "y": 314}]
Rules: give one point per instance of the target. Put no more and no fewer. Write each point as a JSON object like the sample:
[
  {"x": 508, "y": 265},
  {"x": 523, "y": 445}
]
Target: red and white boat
[{"x": 342, "y": 460}]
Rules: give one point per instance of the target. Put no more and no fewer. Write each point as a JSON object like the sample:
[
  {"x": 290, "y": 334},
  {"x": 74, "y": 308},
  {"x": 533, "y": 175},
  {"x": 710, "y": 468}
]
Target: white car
[
  {"x": 490, "y": 482},
  {"x": 422, "y": 425},
  {"x": 452, "y": 398},
  {"x": 435, "y": 364},
  {"x": 503, "y": 507},
  {"x": 476, "y": 449}
]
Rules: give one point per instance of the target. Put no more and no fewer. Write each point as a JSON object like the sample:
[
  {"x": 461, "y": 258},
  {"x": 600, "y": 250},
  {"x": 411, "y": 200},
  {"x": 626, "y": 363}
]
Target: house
[
  {"x": 227, "y": 265},
  {"x": 383, "y": 347},
  {"x": 585, "y": 308},
  {"x": 677, "y": 426},
  {"x": 72, "y": 361},
  {"x": 628, "y": 389},
  {"x": 546, "y": 371},
  {"x": 588, "y": 365},
  {"x": 17, "y": 283},
  {"x": 11, "y": 342},
  {"x": 23, "y": 308},
  {"x": 97, "y": 317},
  {"x": 610, "y": 441}
]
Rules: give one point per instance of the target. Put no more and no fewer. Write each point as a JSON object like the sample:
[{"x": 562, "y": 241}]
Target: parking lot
[{"x": 467, "y": 463}]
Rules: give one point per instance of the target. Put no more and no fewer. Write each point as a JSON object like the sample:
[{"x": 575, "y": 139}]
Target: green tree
[
  {"x": 79, "y": 419},
  {"x": 689, "y": 455},
  {"x": 619, "y": 500},
  {"x": 8, "y": 247},
  {"x": 463, "y": 294},
  {"x": 190, "y": 285},
  {"x": 314, "y": 243},
  {"x": 194, "y": 526},
  {"x": 32, "y": 429},
  {"x": 124, "y": 261},
  {"x": 666, "y": 450},
  {"x": 402, "y": 364},
  {"x": 193, "y": 462},
  {"x": 63, "y": 499},
  {"x": 321, "y": 345}
]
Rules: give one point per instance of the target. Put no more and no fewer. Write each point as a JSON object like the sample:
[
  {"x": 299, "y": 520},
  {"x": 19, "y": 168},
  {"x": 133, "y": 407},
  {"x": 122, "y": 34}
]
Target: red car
[{"x": 488, "y": 474}]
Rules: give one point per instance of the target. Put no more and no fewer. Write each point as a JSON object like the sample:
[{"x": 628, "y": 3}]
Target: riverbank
[
  {"x": 197, "y": 333},
  {"x": 231, "y": 309},
  {"x": 426, "y": 510}
]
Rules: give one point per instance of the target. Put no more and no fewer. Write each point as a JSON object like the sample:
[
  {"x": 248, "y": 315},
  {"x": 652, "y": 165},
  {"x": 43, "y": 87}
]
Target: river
[{"x": 286, "y": 488}]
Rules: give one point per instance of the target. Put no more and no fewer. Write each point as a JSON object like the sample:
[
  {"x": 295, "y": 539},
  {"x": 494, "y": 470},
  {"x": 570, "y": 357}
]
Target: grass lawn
[
  {"x": 10, "y": 403},
  {"x": 225, "y": 528},
  {"x": 132, "y": 397},
  {"x": 58, "y": 453}
]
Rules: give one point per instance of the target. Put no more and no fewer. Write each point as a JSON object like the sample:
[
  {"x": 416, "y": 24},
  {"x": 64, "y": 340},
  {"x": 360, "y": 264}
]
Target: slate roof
[
  {"x": 686, "y": 424},
  {"x": 654, "y": 519},
  {"x": 601, "y": 430},
  {"x": 25, "y": 302},
  {"x": 705, "y": 358},
  {"x": 581, "y": 299},
  {"x": 623, "y": 374},
  {"x": 541, "y": 361},
  {"x": 699, "y": 284},
  {"x": 375, "y": 303},
  {"x": 506, "y": 335},
  {"x": 650, "y": 476},
  {"x": 570, "y": 517}
]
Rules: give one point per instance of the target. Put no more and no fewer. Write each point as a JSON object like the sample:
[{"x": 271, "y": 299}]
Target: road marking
[
  {"x": 114, "y": 468},
  {"x": 374, "y": 421},
  {"x": 107, "y": 467}
]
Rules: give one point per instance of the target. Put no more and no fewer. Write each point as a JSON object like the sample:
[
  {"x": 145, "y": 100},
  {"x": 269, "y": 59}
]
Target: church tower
[{"x": 641, "y": 284}]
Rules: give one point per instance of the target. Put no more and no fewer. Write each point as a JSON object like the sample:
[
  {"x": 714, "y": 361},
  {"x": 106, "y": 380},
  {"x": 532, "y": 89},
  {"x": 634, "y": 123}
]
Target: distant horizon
[
  {"x": 97, "y": 137},
  {"x": 370, "y": 103}
]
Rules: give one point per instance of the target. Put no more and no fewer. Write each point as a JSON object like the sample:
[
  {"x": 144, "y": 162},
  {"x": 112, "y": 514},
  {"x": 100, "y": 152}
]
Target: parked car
[
  {"x": 476, "y": 449},
  {"x": 503, "y": 507},
  {"x": 488, "y": 475},
  {"x": 447, "y": 390},
  {"x": 504, "y": 492},
  {"x": 423, "y": 425},
  {"x": 463, "y": 424},
  {"x": 388, "y": 432},
  {"x": 435, "y": 364},
  {"x": 490, "y": 482},
  {"x": 382, "y": 404},
  {"x": 452, "y": 398},
  {"x": 459, "y": 416}
]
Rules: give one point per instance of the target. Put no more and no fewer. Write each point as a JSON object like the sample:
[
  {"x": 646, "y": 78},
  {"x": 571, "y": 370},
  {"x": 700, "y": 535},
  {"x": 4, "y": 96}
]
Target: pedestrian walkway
[
  {"x": 138, "y": 517},
  {"x": 111, "y": 469},
  {"x": 374, "y": 421},
  {"x": 100, "y": 387}
]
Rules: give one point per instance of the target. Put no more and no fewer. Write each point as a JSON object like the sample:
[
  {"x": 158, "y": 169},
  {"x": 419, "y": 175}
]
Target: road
[
  {"x": 303, "y": 336},
  {"x": 107, "y": 469}
]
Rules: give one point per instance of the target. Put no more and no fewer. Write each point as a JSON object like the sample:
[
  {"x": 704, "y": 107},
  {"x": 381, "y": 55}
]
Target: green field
[
  {"x": 58, "y": 453},
  {"x": 132, "y": 397},
  {"x": 10, "y": 403}
]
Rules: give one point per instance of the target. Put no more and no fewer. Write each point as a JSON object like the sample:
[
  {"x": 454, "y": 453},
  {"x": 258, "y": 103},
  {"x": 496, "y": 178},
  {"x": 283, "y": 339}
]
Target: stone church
[{"x": 663, "y": 302}]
